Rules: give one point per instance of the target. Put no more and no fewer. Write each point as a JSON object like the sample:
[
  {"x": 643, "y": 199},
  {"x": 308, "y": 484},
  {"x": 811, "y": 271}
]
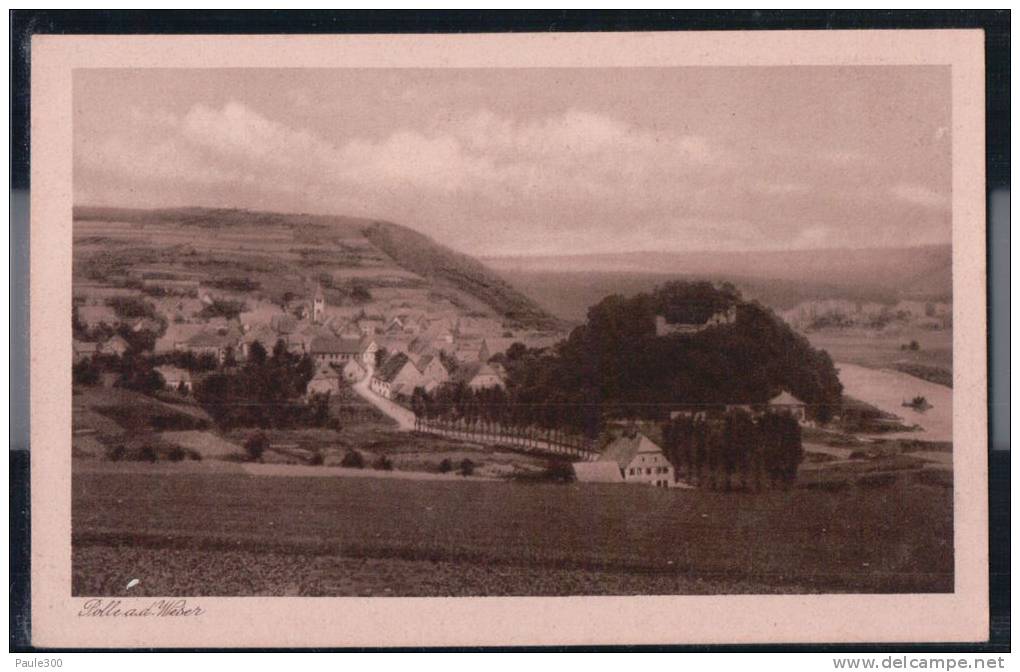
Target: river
[{"x": 887, "y": 390}]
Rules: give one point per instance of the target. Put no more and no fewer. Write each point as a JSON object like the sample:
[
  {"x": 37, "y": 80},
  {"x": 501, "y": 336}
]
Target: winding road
[{"x": 403, "y": 417}]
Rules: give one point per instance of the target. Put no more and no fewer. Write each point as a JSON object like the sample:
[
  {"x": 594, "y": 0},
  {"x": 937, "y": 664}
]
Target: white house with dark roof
[
  {"x": 639, "y": 460},
  {"x": 784, "y": 402},
  {"x": 397, "y": 376}
]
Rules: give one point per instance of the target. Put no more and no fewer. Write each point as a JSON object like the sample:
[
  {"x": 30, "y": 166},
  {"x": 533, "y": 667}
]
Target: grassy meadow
[
  {"x": 220, "y": 532},
  {"x": 932, "y": 361}
]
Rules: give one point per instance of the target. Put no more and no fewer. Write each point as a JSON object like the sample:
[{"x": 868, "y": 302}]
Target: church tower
[{"x": 318, "y": 305}]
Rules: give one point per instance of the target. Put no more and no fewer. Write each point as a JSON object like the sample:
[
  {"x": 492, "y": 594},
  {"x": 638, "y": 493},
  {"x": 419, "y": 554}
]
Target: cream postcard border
[{"x": 323, "y": 622}]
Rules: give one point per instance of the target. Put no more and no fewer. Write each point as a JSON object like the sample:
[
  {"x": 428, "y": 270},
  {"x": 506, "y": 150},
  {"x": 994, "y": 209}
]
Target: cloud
[{"x": 485, "y": 182}]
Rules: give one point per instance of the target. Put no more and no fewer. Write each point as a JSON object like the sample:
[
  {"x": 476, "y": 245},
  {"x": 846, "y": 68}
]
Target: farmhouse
[
  {"x": 174, "y": 378},
  {"x": 397, "y": 376},
  {"x": 640, "y": 460},
  {"x": 784, "y": 402}
]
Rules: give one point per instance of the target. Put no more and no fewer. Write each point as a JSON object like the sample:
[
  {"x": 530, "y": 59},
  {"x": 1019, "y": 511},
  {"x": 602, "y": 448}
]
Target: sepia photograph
[
  {"x": 440, "y": 318},
  {"x": 521, "y": 332}
]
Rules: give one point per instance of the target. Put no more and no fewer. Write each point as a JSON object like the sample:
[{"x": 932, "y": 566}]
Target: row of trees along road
[{"x": 496, "y": 413}]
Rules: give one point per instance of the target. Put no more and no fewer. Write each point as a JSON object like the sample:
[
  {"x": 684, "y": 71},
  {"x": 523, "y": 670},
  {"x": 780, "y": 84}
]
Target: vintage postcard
[{"x": 508, "y": 339}]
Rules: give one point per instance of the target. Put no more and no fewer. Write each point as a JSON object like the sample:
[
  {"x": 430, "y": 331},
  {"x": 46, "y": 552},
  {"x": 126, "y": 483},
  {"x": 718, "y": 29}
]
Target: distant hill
[
  {"x": 278, "y": 250},
  {"x": 419, "y": 254},
  {"x": 568, "y": 284}
]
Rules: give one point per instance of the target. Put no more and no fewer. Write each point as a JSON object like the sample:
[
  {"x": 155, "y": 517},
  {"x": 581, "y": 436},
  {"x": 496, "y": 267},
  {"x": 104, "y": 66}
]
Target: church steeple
[{"x": 318, "y": 305}]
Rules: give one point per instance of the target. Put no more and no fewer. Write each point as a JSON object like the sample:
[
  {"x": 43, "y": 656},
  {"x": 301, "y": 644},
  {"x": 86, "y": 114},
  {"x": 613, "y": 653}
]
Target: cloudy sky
[{"x": 538, "y": 161}]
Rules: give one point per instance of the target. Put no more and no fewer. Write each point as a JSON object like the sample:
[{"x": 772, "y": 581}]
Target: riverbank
[{"x": 886, "y": 390}]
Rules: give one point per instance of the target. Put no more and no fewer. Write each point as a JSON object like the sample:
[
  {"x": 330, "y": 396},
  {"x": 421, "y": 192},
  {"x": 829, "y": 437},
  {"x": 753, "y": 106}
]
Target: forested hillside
[{"x": 616, "y": 366}]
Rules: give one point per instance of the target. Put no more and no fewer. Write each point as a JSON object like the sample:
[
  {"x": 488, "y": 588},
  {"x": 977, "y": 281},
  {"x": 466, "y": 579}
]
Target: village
[{"x": 387, "y": 354}]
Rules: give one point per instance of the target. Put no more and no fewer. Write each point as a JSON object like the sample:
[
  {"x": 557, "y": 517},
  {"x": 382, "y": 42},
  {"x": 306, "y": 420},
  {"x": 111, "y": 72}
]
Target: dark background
[{"x": 995, "y": 23}]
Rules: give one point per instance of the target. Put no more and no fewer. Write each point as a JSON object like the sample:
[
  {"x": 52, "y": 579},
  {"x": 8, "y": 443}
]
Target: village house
[
  {"x": 353, "y": 370},
  {"x": 479, "y": 376},
  {"x": 348, "y": 330},
  {"x": 784, "y": 402},
  {"x": 325, "y": 381},
  {"x": 336, "y": 350},
  {"x": 93, "y": 316},
  {"x": 177, "y": 309},
  {"x": 175, "y": 378},
  {"x": 420, "y": 347},
  {"x": 284, "y": 324},
  {"x": 433, "y": 372},
  {"x": 300, "y": 341},
  {"x": 370, "y": 326},
  {"x": 176, "y": 337},
  {"x": 471, "y": 350},
  {"x": 394, "y": 326},
  {"x": 397, "y": 376},
  {"x": 115, "y": 345},
  {"x": 259, "y": 315},
  {"x": 639, "y": 460},
  {"x": 263, "y": 335},
  {"x": 83, "y": 350},
  {"x": 212, "y": 343}
]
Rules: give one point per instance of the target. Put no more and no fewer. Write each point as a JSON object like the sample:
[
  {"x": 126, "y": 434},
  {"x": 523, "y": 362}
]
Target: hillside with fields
[{"x": 273, "y": 255}]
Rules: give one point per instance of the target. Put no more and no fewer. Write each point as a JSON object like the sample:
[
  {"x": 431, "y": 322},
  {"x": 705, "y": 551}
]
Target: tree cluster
[
  {"x": 265, "y": 392},
  {"x": 736, "y": 449},
  {"x": 615, "y": 366}
]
